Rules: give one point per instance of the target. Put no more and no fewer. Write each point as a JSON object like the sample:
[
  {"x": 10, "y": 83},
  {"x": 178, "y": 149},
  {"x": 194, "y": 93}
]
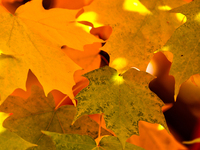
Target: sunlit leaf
[
  {"x": 124, "y": 100},
  {"x": 152, "y": 138},
  {"x": 32, "y": 39},
  {"x": 88, "y": 60},
  {"x": 9, "y": 140},
  {"x": 139, "y": 28}
]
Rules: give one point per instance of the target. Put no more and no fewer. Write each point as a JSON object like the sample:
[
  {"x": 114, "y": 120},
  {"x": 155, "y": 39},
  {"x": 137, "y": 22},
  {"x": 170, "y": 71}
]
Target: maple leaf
[
  {"x": 32, "y": 39},
  {"x": 185, "y": 44},
  {"x": 139, "y": 28},
  {"x": 75, "y": 141},
  {"x": 123, "y": 99},
  {"x": 155, "y": 137},
  {"x": 38, "y": 113},
  {"x": 9, "y": 140},
  {"x": 88, "y": 60}
]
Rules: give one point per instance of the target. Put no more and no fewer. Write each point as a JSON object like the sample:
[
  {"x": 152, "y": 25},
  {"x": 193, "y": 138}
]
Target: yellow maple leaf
[{"x": 32, "y": 39}]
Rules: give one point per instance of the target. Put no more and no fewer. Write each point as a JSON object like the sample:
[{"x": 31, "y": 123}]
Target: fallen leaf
[
  {"x": 123, "y": 99},
  {"x": 38, "y": 113}
]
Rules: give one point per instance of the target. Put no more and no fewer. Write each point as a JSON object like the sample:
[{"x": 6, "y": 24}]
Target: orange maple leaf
[{"x": 32, "y": 39}]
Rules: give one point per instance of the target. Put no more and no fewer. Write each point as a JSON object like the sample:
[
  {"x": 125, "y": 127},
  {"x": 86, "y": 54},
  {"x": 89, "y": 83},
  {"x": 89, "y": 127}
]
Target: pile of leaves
[{"x": 78, "y": 78}]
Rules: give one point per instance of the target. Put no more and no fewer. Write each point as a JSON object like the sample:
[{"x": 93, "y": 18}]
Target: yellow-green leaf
[
  {"x": 9, "y": 140},
  {"x": 124, "y": 99},
  {"x": 72, "y": 141},
  {"x": 38, "y": 113},
  {"x": 84, "y": 142},
  {"x": 185, "y": 44},
  {"x": 138, "y": 28}
]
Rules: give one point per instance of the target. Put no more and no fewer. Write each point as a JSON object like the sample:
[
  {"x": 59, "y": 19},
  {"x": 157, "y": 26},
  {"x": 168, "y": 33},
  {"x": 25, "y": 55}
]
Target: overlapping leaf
[
  {"x": 185, "y": 44},
  {"x": 123, "y": 99},
  {"x": 38, "y": 113},
  {"x": 32, "y": 39},
  {"x": 154, "y": 137},
  {"x": 88, "y": 60},
  {"x": 137, "y": 31},
  {"x": 9, "y": 140},
  {"x": 75, "y": 141}
]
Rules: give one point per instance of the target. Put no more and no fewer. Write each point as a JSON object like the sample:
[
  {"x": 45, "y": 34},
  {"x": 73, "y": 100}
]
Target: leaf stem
[
  {"x": 99, "y": 133},
  {"x": 61, "y": 102},
  {"x": 80, "y": 86}
]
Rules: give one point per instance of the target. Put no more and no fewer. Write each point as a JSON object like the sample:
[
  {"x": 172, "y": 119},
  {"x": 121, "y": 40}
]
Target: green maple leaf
[
  {"x": 185, "y": 44},
  {"x": 138, "y": 28},
  {"x": 38, "y": 113},
  {"x": 123, "y": 99},
  {"x": 11, "y": 141},
  {"x": 84, "y": 142},
  {"x": 32, "y": 39}
]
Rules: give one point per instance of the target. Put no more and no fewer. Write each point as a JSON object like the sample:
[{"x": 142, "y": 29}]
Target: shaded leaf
[
  {"x": 113, "y": 143},
  {"x": 38, "y": 113},
  {"x": 72, "y": 141},
  {"x": 68, "y": 4},
  {"x": 139, "y": 28},
  {"x": 185, "y": 44},
  {"x": 32, "y": 39},
  {"x": 123, "y": 99},
  {"x": 84, "y": 142},
  {"x": 9, "y": 140}
]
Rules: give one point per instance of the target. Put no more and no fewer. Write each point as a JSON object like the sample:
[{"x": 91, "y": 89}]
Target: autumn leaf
[
  {"x": 113, "y": 143},
  {"x": 71, "y": 141},
  {"x": 88, "y": 60},
  {"x": 38, "y": 113},
  {"x": 123, "y": 99},
  {"x": 32, "y": 39},
  {"x": 139, "y": 28},
  {"x": 84, "y": 142},
  {"x": 155, "y": 137},
  {"x": 9, "y": 140},
  {"x": 185, "y": 44}
]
